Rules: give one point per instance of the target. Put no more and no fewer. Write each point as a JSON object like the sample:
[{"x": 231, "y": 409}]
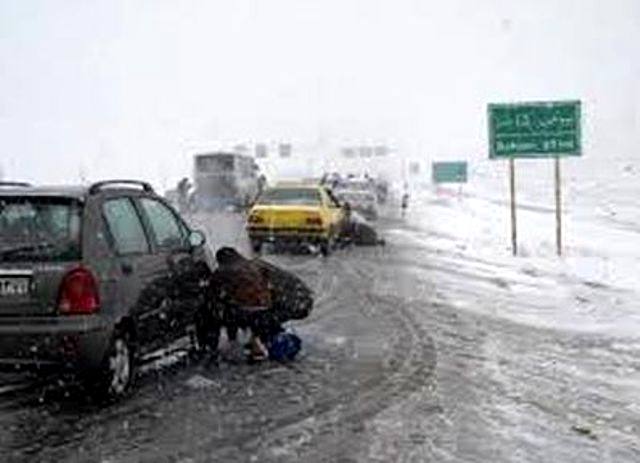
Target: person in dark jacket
[
  {"x": 183, "y": 194},
  {"x": 358, "y": 230},
  {"x": 404, "y": 203},
  {"x": 252, "y": 294}
]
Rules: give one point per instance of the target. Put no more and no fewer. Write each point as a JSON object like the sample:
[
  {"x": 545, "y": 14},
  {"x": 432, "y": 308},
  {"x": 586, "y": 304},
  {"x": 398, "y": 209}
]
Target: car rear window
[
  {"x": 219, "y": 163},
  {"x": 291, "y": 196},
  {"x": 39, "y": 228},
  {"x": 356, "y": 196},
  {"x": 359, "y": 186}
]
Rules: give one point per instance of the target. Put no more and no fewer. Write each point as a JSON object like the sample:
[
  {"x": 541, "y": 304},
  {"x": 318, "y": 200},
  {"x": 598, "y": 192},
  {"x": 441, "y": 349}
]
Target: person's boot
[{"x": 258, "y": 350}]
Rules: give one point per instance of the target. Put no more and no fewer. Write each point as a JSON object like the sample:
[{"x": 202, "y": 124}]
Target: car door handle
[{"x": 127, "y": 268}]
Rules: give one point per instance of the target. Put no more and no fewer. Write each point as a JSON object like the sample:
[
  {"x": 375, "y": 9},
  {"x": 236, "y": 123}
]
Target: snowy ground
[
  {"x": 439, "y": 347},
  {"x": 594, "y": 286}
]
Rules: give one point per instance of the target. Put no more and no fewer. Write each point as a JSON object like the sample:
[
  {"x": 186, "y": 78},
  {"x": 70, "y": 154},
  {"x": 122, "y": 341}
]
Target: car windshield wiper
[{"x": 27, "y": 248}]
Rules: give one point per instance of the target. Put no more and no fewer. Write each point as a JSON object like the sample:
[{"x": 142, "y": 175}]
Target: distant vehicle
[
  {"x": 364, "y": 202},
  {"x": 301, "y": 213},
  {"x": 224, "y": 180},
  {"x": 352, "y": 184},
  {"x": 92, "y": 279},
  {"x": 172, "y": 197},
  {"x": 382, "y": 190}
]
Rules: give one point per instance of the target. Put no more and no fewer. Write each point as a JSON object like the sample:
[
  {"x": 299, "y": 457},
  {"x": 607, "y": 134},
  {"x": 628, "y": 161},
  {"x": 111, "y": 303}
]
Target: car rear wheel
[{"x": 117, "y": 373}]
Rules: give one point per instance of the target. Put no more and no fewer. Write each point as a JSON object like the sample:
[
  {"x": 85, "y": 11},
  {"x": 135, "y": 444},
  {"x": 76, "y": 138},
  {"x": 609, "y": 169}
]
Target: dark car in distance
[{"x": 93, "y": 278}]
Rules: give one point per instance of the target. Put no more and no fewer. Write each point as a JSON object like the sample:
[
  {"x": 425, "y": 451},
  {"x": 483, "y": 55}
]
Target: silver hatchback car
[{"x": 93, "y": 278}]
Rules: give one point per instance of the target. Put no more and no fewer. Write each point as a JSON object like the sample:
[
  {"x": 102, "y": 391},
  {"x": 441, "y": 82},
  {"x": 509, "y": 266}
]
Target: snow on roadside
[{"x": 594, "y": 286}]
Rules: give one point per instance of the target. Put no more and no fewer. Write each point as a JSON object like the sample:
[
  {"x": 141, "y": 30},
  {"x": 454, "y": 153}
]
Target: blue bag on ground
[{"x": 284, "y": 346}]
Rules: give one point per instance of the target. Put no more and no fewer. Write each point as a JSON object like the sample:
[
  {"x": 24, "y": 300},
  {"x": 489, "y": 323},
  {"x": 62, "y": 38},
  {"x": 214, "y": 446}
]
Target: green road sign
[
  {"x": 534, "y": 130},
  {"x": 449, "y": 172}
]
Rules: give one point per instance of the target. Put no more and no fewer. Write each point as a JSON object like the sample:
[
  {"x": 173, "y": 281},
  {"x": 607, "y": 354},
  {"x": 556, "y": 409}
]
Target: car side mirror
[{"x": 197, "y": 239}]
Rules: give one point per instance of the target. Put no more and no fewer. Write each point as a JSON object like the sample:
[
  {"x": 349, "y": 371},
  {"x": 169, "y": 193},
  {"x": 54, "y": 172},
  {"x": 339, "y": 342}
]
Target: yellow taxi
[{"x": 296, "y": 213}]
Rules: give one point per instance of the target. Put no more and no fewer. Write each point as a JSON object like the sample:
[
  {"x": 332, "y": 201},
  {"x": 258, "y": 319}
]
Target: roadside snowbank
[{"x": 594, "y": 286}]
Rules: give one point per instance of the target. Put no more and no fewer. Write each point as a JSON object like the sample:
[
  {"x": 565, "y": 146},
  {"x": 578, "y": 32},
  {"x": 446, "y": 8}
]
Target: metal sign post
[
  {"x": 512, "y": 189},
  {"x": 535, "y": 130},
  {"x": 558, "y": 209}
]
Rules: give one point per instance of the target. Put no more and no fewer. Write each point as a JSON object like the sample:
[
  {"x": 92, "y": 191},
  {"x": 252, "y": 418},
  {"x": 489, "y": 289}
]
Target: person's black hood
[{"x": 228, "y": 256}]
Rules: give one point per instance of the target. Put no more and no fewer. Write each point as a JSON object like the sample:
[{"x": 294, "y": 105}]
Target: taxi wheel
[
  {"x": 256, "y": 246},
  {"x": 327, "y": 245}
]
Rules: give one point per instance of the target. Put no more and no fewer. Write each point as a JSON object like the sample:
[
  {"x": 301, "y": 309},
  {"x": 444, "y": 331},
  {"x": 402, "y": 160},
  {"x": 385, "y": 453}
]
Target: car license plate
[{"x": 14, "y": 286}]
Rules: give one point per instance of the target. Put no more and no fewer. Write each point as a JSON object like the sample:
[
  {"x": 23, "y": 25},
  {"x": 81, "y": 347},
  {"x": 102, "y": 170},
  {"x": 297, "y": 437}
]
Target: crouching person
[
  {"x": 255, "y": 295},
  {"x": 358, "y": 230}
]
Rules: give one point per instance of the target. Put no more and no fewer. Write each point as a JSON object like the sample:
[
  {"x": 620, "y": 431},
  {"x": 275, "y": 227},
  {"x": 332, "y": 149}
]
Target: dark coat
[
  {"x": 257, "y": 286},
  {"x": 242, "y": 285}
]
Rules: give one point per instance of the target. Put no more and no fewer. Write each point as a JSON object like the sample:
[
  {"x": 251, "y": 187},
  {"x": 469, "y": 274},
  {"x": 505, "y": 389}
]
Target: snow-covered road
[{"x": 438, "y": 347}]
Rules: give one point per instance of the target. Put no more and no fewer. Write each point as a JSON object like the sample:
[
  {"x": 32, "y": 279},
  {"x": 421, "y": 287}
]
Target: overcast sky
[{"x": 134, "y": 88}]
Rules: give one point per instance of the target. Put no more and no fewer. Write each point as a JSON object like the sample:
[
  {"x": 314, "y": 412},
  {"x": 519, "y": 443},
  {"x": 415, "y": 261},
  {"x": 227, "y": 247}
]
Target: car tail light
[
  {"x": 255, "y": 219},
  {"x": 78, "y": 293},
  {"x": 314, "y": 221}
]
